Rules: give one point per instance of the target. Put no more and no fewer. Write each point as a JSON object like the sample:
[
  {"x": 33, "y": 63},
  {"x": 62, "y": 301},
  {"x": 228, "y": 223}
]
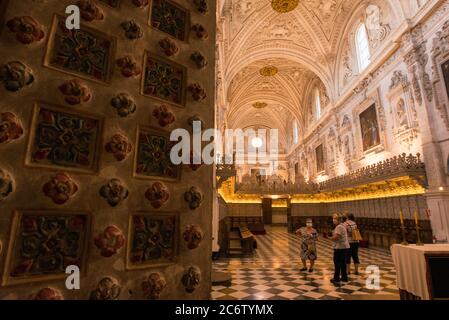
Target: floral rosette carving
[
  {"x": 153, "y": 286},
  {"x": 110, "y": 241},
  {"x": 128, "y": 67},
  {"x": 60, "y": 188},
  {"x": 75, "y": 92},
  {"x": 26, "y": 29},
  {"x": 124, "y": 105},
  {"x": 15, "y": 75},
  {"x": 168, "y": 47},
  {"x": 89, "y": 10},
  {"x": 199, "y": 60},
  {"x": 119, "y": 146},
  {"x": 47, "y": 294},
  {"x": 193, "y": 197},
  {"x": 198, "y": 93},
  {"x": 107, "y": 289},
  {"x": 140, "y": 3},
  {"x": 164, "y": 116},
  {"x": 191, "y": 279},
  {"x": 10, "y": 127},
  {"x": 132, "y": 30},
  {"x": 201, "y": 6},
  {"x": 192, "y": 165},
  {"x": 193, "y": 235},
  {"x": 6, "y": 184},
  {"x": 157, "y": 194},
  {"x": 114, "y": 192},
  {"x": 200, "y": 31}
]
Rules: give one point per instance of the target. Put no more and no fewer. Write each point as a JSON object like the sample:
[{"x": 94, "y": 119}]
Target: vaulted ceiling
[{"x": 301, "y": 44}]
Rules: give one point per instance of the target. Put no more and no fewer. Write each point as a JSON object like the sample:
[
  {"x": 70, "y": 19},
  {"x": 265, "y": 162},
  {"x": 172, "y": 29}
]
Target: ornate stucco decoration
[
  {"x": 403, "y": 112},
  {"x": 440, "y": 54},
  {"x": 284, "y": 6},
  {"x": 269, "y": 71}
]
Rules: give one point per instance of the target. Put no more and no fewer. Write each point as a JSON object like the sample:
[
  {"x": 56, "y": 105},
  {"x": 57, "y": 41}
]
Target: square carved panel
[
  {"x": 164, "y": 80},
  {"x": 152, "y": 156},
  {"x": 43, "y": 244},
  {"x": 153, "y": 239},
  {"x": 64, "y": 139},
  {"x": 86, "y": 52},
  {"x": 170, "y": 18}
]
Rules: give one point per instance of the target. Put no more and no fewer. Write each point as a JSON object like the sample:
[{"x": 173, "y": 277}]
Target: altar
[{"x": 422, "y": 272}]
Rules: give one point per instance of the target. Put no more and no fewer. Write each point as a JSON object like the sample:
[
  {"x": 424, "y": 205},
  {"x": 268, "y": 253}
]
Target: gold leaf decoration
[
  {"x": 284, "y": 6},
  {"x": 268, "y": 71},
  {"x": 259, "y": 105}
]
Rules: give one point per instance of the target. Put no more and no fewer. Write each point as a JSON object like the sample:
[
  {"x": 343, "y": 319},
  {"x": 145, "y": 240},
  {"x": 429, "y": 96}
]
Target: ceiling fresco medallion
[
  {"x": 269, "y": 71},
  {"x": 284, "y": 6},
  {"x": 260, "y": 105}
]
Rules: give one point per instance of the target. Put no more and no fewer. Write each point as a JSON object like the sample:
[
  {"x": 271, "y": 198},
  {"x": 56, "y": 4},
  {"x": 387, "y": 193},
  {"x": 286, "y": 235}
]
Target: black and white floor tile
[{"x": 273, "y": 272}]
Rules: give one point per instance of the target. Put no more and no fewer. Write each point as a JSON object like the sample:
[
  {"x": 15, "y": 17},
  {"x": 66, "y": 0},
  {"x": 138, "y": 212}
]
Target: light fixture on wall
[
  {"x": 256, "y": 142},
  {"x": 284, "y": 6}
]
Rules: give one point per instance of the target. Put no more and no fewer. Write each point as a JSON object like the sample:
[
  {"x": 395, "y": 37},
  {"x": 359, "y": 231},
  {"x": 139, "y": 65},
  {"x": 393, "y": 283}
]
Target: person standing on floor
[
  {"x": 353, "y": 239},
  {"x": 308, "y": 238},
  {"x": 341, "y": 246}
]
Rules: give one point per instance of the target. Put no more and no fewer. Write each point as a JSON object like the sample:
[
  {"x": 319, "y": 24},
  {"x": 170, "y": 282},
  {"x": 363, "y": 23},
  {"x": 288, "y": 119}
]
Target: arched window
[
  {"x": 362, "y": 47},
  {"x": 317, "y": 103},
  {"x": 295, "y": 132}
]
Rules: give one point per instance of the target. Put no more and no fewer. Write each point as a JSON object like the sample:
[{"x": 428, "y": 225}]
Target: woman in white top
[{"x": 341, "y": 246}]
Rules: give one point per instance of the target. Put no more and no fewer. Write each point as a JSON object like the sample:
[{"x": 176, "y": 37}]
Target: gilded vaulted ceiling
[{"x": 301, "y": 43}]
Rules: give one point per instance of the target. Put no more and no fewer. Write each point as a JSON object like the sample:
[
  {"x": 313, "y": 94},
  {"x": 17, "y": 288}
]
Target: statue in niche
[
  {"x": 377, "y": 31},
  {"x": 401, "y": 114},
  {"x": 331, "y": 154},
  {"x": 347, "y": 148}
]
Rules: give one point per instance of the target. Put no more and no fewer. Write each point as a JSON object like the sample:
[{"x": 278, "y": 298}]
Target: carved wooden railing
[{"x": 399, "y": 166}]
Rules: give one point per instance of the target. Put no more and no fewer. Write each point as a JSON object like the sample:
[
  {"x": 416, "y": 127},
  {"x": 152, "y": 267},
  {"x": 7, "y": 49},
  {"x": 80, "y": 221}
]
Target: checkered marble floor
[{"x": 273, "y": 272}]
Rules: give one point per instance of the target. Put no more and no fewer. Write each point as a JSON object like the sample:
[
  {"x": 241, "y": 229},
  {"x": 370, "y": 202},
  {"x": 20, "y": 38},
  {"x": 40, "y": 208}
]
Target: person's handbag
[
  {"x": 311, "y": 248},
  {"x": 356, "y": 235}
]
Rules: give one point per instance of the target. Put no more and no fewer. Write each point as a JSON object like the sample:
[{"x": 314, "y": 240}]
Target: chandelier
[
  {"x": 259, "y": 105},
  {"x": 284, "y": 6},
  {"x": 268, "y": 71}
]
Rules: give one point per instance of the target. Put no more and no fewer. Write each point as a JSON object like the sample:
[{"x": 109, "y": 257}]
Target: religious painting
[
  {"x": 164, "y": 80},
  {"x": 369, "y": 128},
  {"x": 152, "y": 159},
  {"x": 153, "y": 239},
  {"x": 43, "y": 244},
  {"x": 111, "y": 3},
  {"x": 319, "y": 155},
  {"x": 445, "y": 67},
  {"x": 86, "y": 52},
  {"x": 170, "y": 18},
  {"x": 64, "y": 139}
]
